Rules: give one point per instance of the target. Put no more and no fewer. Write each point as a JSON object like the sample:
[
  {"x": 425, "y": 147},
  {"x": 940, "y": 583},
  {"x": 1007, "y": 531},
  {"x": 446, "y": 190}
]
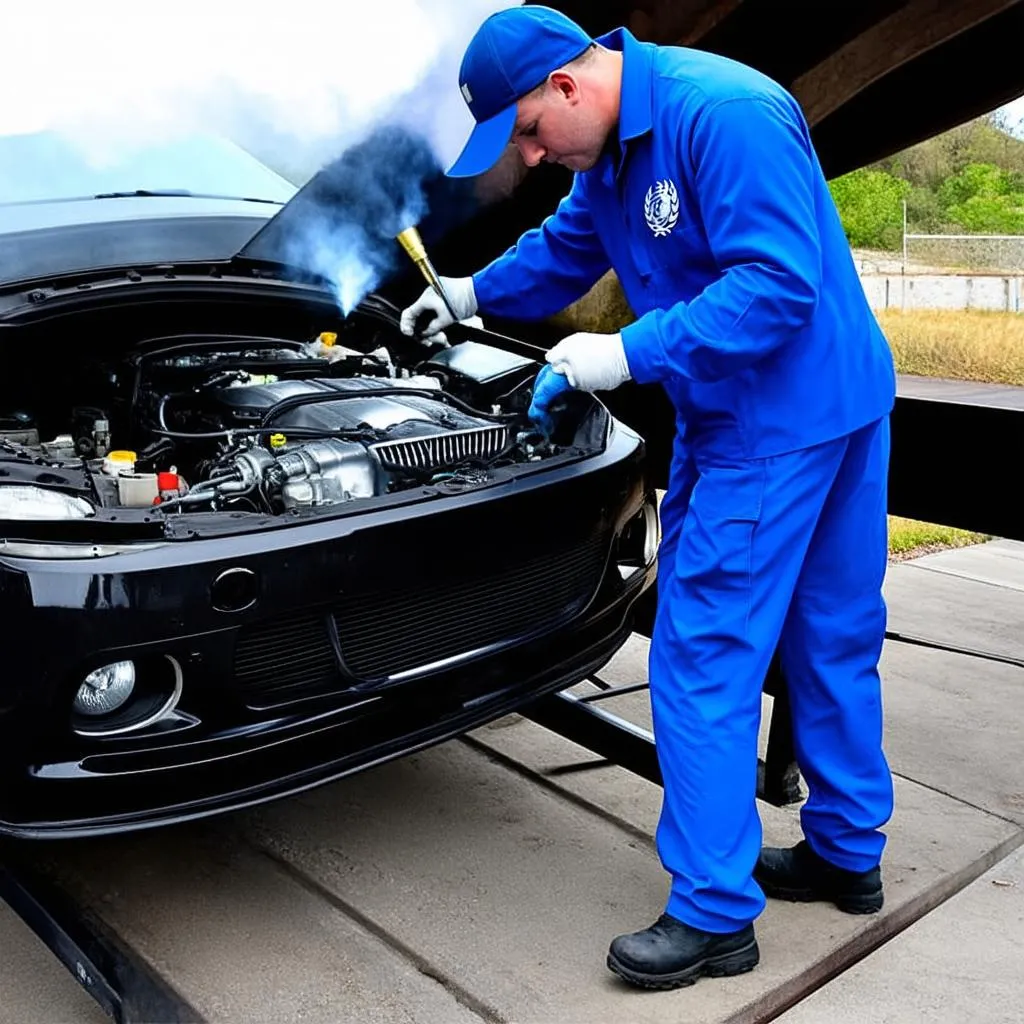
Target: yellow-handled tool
[{"x": 413, "y": 245}]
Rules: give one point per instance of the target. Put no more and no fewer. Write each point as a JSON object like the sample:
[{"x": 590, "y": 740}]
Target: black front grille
[
  {"x": 286, "y": 658},
  {"x": 388, "y": 632}
]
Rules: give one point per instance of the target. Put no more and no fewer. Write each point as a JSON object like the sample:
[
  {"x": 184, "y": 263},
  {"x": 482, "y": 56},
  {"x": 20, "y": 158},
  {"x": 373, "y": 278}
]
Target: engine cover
[{"x": 357, "y": 407}]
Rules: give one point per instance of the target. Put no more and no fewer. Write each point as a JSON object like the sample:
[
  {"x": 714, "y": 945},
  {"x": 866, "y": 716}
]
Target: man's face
[{"x": 557, "y": 125}]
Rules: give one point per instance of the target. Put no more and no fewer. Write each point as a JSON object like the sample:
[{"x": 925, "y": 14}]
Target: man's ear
[{"x": 565, "y": 85}]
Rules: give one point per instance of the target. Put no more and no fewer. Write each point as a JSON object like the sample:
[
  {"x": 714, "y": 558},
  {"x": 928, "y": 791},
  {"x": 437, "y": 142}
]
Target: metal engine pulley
[
  {"x": 326, "y": 472},
  {"x": 322, "y": 472}
]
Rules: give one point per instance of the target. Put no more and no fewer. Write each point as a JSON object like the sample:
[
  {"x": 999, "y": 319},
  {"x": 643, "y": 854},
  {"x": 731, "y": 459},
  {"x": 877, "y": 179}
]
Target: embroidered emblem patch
[
  {"x": 466, "y": 94},
  {"x": 661, "y": 207}
]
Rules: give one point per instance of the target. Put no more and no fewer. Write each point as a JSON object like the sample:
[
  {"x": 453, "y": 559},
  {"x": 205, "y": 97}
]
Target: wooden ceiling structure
[{"x": 873, "y": 76}]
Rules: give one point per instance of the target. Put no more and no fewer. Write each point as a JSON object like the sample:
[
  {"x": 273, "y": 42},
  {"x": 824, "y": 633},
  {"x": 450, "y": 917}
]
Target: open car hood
[{"x": 67, "y": 210}]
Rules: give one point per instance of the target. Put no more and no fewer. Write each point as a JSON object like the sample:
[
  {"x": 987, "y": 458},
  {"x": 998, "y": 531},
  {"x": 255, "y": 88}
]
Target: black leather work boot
[
  {"x": 799, "y": 875},
  {"x": 670, "y": 954}
]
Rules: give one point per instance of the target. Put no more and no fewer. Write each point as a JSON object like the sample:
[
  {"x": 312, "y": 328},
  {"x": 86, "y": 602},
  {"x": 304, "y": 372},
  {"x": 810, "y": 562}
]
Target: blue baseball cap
[{"x": 512, "y": 53}]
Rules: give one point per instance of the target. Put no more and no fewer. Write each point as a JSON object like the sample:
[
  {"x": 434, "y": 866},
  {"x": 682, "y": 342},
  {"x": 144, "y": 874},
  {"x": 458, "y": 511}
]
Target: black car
[{"x": 248, "y": 543}]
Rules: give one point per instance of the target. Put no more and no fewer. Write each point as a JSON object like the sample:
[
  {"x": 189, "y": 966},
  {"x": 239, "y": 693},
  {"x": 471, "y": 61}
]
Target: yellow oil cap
[
  {"x": 328, "y": 338},
  {"x": 118, "y": 461},
  {"x": 278, "y": 440}
]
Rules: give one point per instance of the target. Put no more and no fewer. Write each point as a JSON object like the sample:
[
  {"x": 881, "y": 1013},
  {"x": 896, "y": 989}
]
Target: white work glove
[
  {"x": 462, "y": 297},
  {"x": 591, "y": 362}
]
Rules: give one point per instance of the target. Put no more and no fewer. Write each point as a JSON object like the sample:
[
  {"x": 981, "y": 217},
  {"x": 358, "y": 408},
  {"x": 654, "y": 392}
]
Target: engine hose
[
  {"x": 261, "y": 431},
  {"x": 301, "y": 432},
  {"x": 209, "y": 489},
  {"x": 294, "y": 401},
  {"x": 197, "y": 494}
]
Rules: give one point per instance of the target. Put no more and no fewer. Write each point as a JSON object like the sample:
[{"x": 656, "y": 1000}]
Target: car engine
[
  {"x": 334, "y": 440},
  {"x": 266, "y": 425}
]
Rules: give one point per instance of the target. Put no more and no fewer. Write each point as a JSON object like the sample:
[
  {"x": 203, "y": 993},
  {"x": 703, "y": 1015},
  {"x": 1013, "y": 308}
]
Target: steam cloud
[
  {"x": 342, "y": 226},
  {"x": 366, "y": 86}
]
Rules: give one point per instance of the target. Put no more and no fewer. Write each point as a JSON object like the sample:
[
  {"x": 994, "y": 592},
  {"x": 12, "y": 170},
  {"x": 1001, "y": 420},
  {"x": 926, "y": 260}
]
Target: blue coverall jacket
[
  {"x": 717, "y": 219},
  {"x": 721, "y": 229}
]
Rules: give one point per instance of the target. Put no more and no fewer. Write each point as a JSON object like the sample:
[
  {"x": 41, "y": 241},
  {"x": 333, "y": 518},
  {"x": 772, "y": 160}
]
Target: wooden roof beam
[{"x": 913, "y": 30}]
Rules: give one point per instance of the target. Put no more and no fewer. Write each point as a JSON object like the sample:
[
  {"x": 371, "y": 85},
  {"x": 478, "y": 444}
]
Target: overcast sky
[{"x": 1015, "y": 114}]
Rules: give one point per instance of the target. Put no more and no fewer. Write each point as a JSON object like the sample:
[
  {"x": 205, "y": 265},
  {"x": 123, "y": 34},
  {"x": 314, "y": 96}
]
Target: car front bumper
[{"x": 350, "y": 643}]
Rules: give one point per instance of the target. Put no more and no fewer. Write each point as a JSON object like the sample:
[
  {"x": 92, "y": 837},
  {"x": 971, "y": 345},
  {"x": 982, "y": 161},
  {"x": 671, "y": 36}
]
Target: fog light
[
  {"x": 106, "y": 689},
  {"x": 652, "y": 532}
]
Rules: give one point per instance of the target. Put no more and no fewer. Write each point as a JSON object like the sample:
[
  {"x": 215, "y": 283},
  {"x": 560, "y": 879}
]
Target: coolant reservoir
[
  {"x": 137, "y": 488},
  {"x": 117, "y": 462}
]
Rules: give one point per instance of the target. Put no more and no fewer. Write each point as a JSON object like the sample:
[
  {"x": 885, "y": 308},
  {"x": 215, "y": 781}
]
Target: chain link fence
[{"x": 962, "y": 254}]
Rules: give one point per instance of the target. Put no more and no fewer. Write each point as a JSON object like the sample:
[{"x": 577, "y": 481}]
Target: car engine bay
[{"x": 218, "y": 422}]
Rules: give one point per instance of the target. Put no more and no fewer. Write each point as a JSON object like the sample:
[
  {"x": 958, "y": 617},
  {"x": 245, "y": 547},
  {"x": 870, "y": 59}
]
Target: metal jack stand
[{"x": 581, "y": 720}]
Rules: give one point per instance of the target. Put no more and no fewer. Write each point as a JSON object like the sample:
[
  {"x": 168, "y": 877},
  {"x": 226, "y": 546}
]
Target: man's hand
[
  {"x": 591, "y": 362},
  {"x": 547, "y": 389},
  {"x": 460, "y": 294}
]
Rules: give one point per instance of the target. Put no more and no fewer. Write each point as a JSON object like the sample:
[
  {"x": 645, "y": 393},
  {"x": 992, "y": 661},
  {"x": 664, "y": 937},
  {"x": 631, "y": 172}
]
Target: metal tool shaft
[{"x": 413, "y": 245}]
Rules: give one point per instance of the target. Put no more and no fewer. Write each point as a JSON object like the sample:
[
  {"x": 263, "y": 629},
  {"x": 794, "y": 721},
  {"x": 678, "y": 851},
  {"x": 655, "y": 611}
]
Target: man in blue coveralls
[{"x": 696, "y": 180}]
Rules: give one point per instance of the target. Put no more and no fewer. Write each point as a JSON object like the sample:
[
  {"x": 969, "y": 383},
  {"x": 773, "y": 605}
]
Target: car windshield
[{"x": 45, "y": 166}]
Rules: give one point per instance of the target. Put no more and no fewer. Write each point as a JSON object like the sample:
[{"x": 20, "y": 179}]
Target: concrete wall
[{"x": 944, "y": 291}]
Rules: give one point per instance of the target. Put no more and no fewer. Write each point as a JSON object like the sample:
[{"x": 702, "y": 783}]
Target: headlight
[
  {"x": 49, "y": 549},
  {"x": 27, "y": 502},
  {"x": 106, "y": 689}
]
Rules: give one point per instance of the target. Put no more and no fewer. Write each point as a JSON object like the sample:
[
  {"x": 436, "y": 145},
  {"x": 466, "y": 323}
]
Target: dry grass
[
  {"x": 967, "y": 344},
  {"x": 958, "y": 344}
]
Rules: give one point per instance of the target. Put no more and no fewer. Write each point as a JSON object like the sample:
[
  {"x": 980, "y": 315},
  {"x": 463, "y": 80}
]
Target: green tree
[
  {"x": 870, "y": 204},
  {"x": 984, "y": 198},
  {"x": 924, "y": 212}
]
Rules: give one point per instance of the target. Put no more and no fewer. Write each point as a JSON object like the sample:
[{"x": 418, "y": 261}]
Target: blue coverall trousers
[{"x": 786, "y": 552}]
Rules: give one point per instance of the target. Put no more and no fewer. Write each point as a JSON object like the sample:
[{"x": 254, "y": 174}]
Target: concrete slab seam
[
  {"x": 944, "y": 648},
  {"x": 577, "y": 768},
  {"x": 776, "y": 1002},
  {"x": 531, "y": 775},
  {"x": 958, "y": 799},
  {"x": 461, "y": 995},
  {"x": 963, "y": 576}
]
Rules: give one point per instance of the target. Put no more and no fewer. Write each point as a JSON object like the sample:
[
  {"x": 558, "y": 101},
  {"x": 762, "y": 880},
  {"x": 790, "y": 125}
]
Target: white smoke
[{"x": 297, "y": 80}]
